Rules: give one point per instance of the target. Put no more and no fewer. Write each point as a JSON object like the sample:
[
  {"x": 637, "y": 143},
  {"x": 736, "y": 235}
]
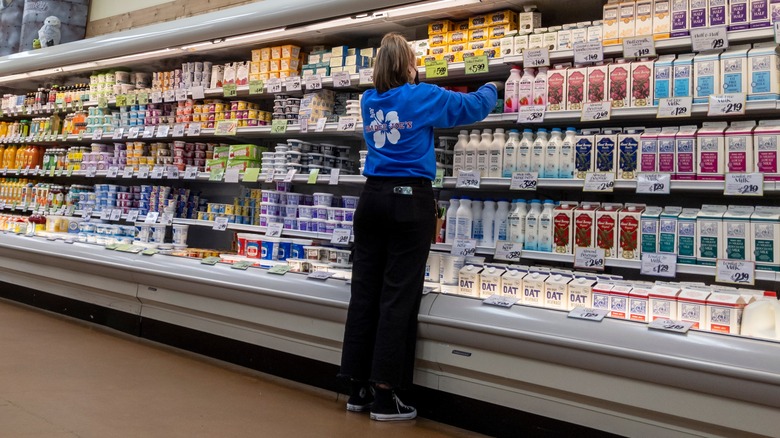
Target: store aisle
[{"x": 65, "y": 378}]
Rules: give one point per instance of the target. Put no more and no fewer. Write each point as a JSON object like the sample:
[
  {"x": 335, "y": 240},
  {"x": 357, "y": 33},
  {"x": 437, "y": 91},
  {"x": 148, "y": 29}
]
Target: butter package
[
  {"x": 649, "y": 225},
  {"x": 724, "y": 312},
  {"x": 709, "y": 234},
  {"x": 648, "y": 150},
  {"x": 512, "y": 283},
  {"x": 585, "y": 152},
  {"x": 662, "y": 23},
  {"x": 638, "y": 304},
  {"x": 687, "y": 236},
  {"x": 619, "y": 84},
  {"x": 479, "y": 35},
  {"x": 711, "y": 150},
  {"x": 438, "y": 40},
  {"x": 759, "y": 14},
  {"x": 663, "y": 302},
  {"x": 662, "y": 73},
  {"x": 628, "y": 231},
  {"x": 529, "y": 20},
  {"x": 642, "y": 82},
  {"x": 734, "y": 64},
  {"x": 692, "y": 307},
  {"x": 718, "y": 13},
  {"x": 628, "y": 152},
  {"x": 611, "y": 20},
  {"x": 597, "y": 82},
  {"x": 706, "y": 68},
  {"x": 667, "y": 230},
  {"x": 458, "y": 37},
  {"x": 490, "y": 281},
  {"x": 699, "y": 14},
  {"x": 764, "y": 72},
  {"x": 501, "y": 30},
  {"x": 627, "y": 23},
  {"x": 555, "y": 292},
  {"x": 276, "y": 52},
  {"x": 601, "y": 292},
  {"x": 468, "y": 280},
  {"x": 606, "y": 150},
  {"x": 580, "y": 291},
  {"x": 290, "y": 51},
  {"x": 739, "y": 240},
  {"x": 576, "y": 87},
  {"x": 440, "y": 27},
  {"x": 505, "y": 17},
  {"x": 685, "y": 153},
  {"x": 739, "y": 147},
  {"x": 681, "y": 19},
  {"x": 563, "y": 231},
  {"x": 765, "y": 230},
  {"x": 585, "y": 225},
  {"x": 766, "y": 138},
  {"x": 682, "y": 69},
  {"x": 739, "y": 15},
  {"x": 618, "y": 301},
  {"x": 644, "y": 17},
  {"x": 478, "y": 21},
  {"x": 556, "y": 89},
  {"x": 533, "y": 289}
]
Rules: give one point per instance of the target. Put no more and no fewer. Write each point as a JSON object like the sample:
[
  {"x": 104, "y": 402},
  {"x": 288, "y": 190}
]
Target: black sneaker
[
  {"x": 388, "y": 407},
  {"x": 361, "y": 397}
]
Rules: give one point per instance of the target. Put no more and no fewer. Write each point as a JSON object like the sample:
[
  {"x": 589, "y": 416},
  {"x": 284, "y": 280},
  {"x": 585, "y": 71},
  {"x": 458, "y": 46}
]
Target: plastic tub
[
  {"x": 297, "y": 248},
  {"x": 270, "y": 248},
  {"x": 285, "y": 249},
  {"x": 252, "y": 248},
  {"x": 303, "y": 224},
  {"x": 180, "y": 234},
  {"x": 298, "y": 265},
  {"x": 306, "y": 212},
  {"x": 313, "y": 253},
  {"x": 290, "y": 223},
  {"x": 349, "y": 201},
  {"x": 294, "y": 198},
  {"x": 290, "y": 211}
]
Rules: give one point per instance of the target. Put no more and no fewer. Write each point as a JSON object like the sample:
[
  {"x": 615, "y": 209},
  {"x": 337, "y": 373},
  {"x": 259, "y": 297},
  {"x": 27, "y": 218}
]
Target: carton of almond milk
[
  {"x": 601, "y": 293},
  {"x": 628, "y": 231},
  {"x": 649, "y": 223},
  {"x": 597, "y": 83},
  {"x": 681, "y": 18},
  {"x": 555, "y": 292},
  {"x": 692, "y": 307},
  {"x": 606, "y": 150},
  {"x": 711, "y": 150},
  {"x": 620, "y": 83},
  {"x": 585, "y": 225},
  {"x": 724, "y": 312},
  {"x": 576, "y": 87},
  {"x": 563, "y": 231},
  {"x": 638, "y": 304},
  {"x": 709, "y": 234},
  {"x": 490, "y": 281},
  {"x": 585, "y": 152},
  {"x": 648, "y": 150},
  {"x": 627, "y": 23},
  {"x": 512, "y": 283},
  {"x": 685, "y": 153},
  {"x": 618, "y": 301},
  {"x": 687, "y": 242},
  {"x": 667, "y": 162},
  {"x": 663, "y": 302},
  {"x": 644, "y": 17},
  {"x": 662, "y": 24},
  {"x": 607, "y": 229},
  {"x": 739, "y": 147},
  {"x": 611, "y": 32},
  {"x": 556, "y": 89},
  {"x": 533, "y": 289},
  {"x": 642, "y": 76},
  {"x": 628, "y": 153},
  {"x": 766, "y": 149},
  {"x": 580, "y": 291},
  {"x": 468, "y": 280},
  {"x": 739, "y": 240},
  {"x": 765, "y": 230}
]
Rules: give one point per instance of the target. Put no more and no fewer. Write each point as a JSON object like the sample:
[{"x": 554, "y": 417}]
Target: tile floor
[{"x": 61, "y": 377}]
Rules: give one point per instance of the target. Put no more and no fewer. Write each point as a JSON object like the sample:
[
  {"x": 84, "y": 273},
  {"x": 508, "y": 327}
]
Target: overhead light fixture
[
  {"x": 434, "y": 6},
  {"x": 256, "y": 35},
  {"x": 339, "y": 22},
  {"x": 145, "y": 55}
]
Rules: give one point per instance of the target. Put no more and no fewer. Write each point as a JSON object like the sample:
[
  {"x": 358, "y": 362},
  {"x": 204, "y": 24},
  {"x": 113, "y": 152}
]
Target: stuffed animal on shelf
[
  {"x": 50, "y": 34},
  {"x": 36, "y": 44}
]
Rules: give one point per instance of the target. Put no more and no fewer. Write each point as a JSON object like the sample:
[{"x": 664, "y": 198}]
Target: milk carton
[
  {"x": 667, "y": 230},
  {"x": 597, "y": 83},
  {"x": 595, "y": 31},
  {"x": 556, "y": 89},
  {"x": 699, "y": 14},
  {"x": 739, "y": 147},
  {"x": 765, "y": 230},
  {"x": 628, "y": 231},
  {"x": 692, "y": 307},
  {"x": 555, "y": 292},
  {"x": 709, "y": 234},
  {"x": 718, "y": 13},
  {"x": 644, "y": 17},
  {"x": 533, "y": 289},
  {"x": 580, "y": 33},
  {"x": 580, "y": 291},
  {"x": 662, "y": 23},
  {"x": 606, "y": 150},
  {"x": 648, "y": 150},
  {"x": 512, "y": 284},
  {"x": 774, "y": 10},
  {"x": 536, "y": 39},
  {"x": 564, "y": 37},
  {"x": 663, "y": 302},
  {"x": 686, "y": 236},
  {"x": 649, "y": 224},
  {"x": 627, "y": 23},
  {"x": 638, "y": 309},
  {"x": 663, "y": 77},
  {"x": 711, "y": 151},
  {"x": 642, "y": 82},
  {"x": 706, "y": 69},
  {"x": 618, "y": 301},
  {"x": 585, "y": 225},
  {"x": 601, "y": 292},
  {"x": 666, "y": 150},
  {"x": 685, "y": 153},
  {"x": 529, "y": 19},
  {"x": 739, "y": 17},
  {"x": 681, "y": 19},
  {"x": 628, "y": 153},
  {"x": 584, "y": 152},
  {"x": 607, "y": 229},
  {"x": 724, "y": 312},
  {"x": 682, "y": 72},
  {"x": 619, "y": 83},
  {"x": 766, "y": 138},
  {"x": 520, "y": 42},
  {"x": 563, "y": 231},
  {"x": 468, "y": 280},
  {"x": 490, "y": 281},
  {"x": 576, "y": 87},
  {"x": 734, "y": 65},
  {"x": 610, "y": 31},
  {"x": 764, "y": 72},
  {"x": 739, "y": 239},
  {"x": 759, "y": 13}
]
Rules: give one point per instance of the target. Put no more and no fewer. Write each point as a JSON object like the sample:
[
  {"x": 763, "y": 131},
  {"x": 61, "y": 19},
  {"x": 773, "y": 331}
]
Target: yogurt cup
[
  {"x": 180, "y": 234},
  {"x": 252, "y": 246},
  {"x": 306, "y": 212},
  {"x": 285, "y": 249},
  {"x": 298, "y": 265},
  {"x": 349, "y": 201},
  {"x": 270, "y": 248},
  {"x": 313, "y": 253}
]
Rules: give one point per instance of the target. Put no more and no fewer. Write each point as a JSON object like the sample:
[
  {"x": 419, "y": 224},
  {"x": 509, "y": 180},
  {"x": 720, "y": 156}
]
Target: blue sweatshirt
[{"x": 398, "y": 125}]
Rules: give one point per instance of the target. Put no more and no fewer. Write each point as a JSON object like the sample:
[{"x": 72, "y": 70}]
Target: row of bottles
[
  {"x": 21, "y": 157},
  {"x": 57, "y": 94},
  {"x": 494, "y": 155},
  {"x": 528, "y": 89},
  {"x": 26, "y": 192}
]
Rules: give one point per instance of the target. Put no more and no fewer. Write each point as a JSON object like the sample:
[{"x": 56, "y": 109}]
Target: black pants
[{"x": 393, "y": 231}]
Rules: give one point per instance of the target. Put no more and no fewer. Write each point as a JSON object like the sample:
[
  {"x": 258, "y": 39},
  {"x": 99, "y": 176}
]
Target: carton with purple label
[
  {"x": 685, "y": 153},
  {"x": 711, "y": 151},
  {"x": 666, "y": 150},
  {"x": 718, "y": 13},
  {"x": 681, "y": 19},
  {"x": 766, "y": 149},
  {"x": 759, "y": 13},
  {"x": 739, "y": 16},
  {"x": 739, "y": 147},
  {"x": 699, "y": 14},
  {"x": 648, "y": 150}
]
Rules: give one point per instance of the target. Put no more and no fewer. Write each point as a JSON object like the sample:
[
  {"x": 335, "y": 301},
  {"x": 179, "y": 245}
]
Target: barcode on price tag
[
  {"x": 599, "y": 182},
  {"x": 118, "y": 133},
  {"x": 334, "y": 177},
  {"x": 341, "y": 236},
  {"x": 638, "y": 47},
  {"x": 744, "y": 184},
  {"x": 589, "y": 258},
  {"x": 653, "y": 183},
  {"x": 596, "y": 111},
  {"x": 735, "y": 272},
  {"x": 132, "y": 133},
  {"x": 468, "y": 179},
  {"x": 660, "y": 265},
  {"x": 732, "y": 104},
  {"x": 709, "y": 38},
  {"x": 669, "y": 107},
  {"x": 509, "y": 251},
  {"x": 524, "y": 181},
  {"x": 198, "y": 92},
  {"x": 347, "y": 123},
  {"x": 127, "y": 172},
  {"x": 464, "y": 247},
  {"x": 531, "y": 114},
  {"x": 148, "y": 132},
  {"x": 341, "y": 79},
  {"x": 533, "y": 58},
  {"x": 587, "y": 52}
]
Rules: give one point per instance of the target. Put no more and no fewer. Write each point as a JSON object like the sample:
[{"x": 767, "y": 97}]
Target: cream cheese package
[
  {"x": 533, "y": 289},
  {"x": 555, "y": 292},
  {"x": 710, "y": 243},
  {"x": 706, "y": 68},
  {"x": 662, "y": 73},
  {"x": 711, "y": 151},
  {"x": 734, "y": 65},
  {"x": 580, "y": 291},
  {"x": 724, "y": 312},
  {"x": 765, "y": 230},
  {"x": 764, "y": 72},
  {"x": 663, "y": 302},
  {"x": 649, "y": 225},
  {"x": 692, "y": 307},
  {"x": 681, "y": 19},
  {"x": 766, "y": 149},
  {"x": 468, "y": 281},
  {"x": 687, "y": 236},
  {"x": 739, "y": 240},
  {"x": 490, "y": 281},
  {"x": 512, "y": 284}
]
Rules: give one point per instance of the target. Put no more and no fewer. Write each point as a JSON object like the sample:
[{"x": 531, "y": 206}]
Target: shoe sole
[
  {"x": 394, "y": 417},
  {"x": 358, "y": 408}
]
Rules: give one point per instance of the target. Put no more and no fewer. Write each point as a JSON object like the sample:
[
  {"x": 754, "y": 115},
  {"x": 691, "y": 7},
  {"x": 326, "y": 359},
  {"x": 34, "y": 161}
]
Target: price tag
[
  {"x": 142, "y": 98},
  {"x": 121, "y": 100},
  {"x": 670, "y": 325},
  {"x": 241, "y": 265},
  {"x": 232, "y": 175},
  {"x": 279, "y": 126},
  {"x": 347, "y": 123},
  {"x": 163, "y": 130},
  {"x": 669, "y": 107},
  {"x": 366, "y": 76},
  {"x": 314, "y": 82},
  {"x": 97, "y": 134},
  {"x": 735, "y": 272},
  {"x": 151, "y": 217},
  {"x": 226, "y": 127},
  {"x": 198, "y": 92},
  {"x": 660, "y": 265},
  {"x": 464, "y": 247},
  {"x": 468, "y": 179},
  {"x": 438, "y": 180},
  {"x": 191, "y": 172},
  {"x": 111, "y": 246},
  {"x": 596, "y": 111},
  {"x": 112, "y": 172},
  {"x": 303, "y": 123},
  {"x": 320, "y": 124},
  {"x": 181, "y": 94},
  {"x": 132, "y": 133},
  {"x": 220, "y": 224},
  {"x": 69, "y": 211},
  {"x": 334, "y": 177},
  {"x": 727, "y": 104},
  {"x": 476, "y": 64},
  {"x": 178, "y": 130},
  {"x": 132, "y": 215},
  {"x": 533, "y": 58},
  {"x": 216, "y": 174},
  {"x": 319, "y": 275},
  {"x": 744, "y": 184},
  {"x": 256, "y": 87},
  {"x": 341, "y": 236},
  {"x": 193, "y": 130},
  {"x": 274, "y": 85},
  {"x": 270, "y": 177},
  {"x": 531, "y": 114},
  {"x": 37, "y": 170},
  {"x": 293, "y": 83},
  {"x": 589, "y": 258},
  {"x": 229, "y": 90},
  {"x": 274, "y": 229},
  {"x": 709, "y": 38},
  {"x": 105, "y": 215},
  {"x": 69, "y": 172},
  {"x": 290, "y": 175},
  {"x": 599, "y": 182},
  {"x": 500, "y": 301},
  {"x": 127, "y": 172},
  {"x": 102, "y": 102},
  {"x": 436, "y": 69},
  {"x": 118, "y": 134},
  {"x": 148, "y": 132},
  {"x": 639, "y": 47},
  {"x": 116, "y": 214},
  {"x": 524, "y": 181},
  {"x": 25, "y": 171},
  {"x": 653, "y": 183},
  {"x": 313, "y": 174},
  {"x": 149, "y": 252},
  {"x": 588, "y": 52},
  {"x": 341, "y": 79},
  {"x": 251, "y": 175},
  {"x": 157, "y": 172},
  {"x": 512, "y": 252},
  {"x": 91, "y": 171},
  {"x": 279, "y": 269},
  {"x": 52, "y": 171},
  {"x": 143, "y": 172},
  {"x": 210, "y": 261},
  {"x": 169, "y": 96},
  {"x": 589, "y": 314}
]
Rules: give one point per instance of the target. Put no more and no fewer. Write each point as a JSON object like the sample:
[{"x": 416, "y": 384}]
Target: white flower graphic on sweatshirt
[{"x": 385, "y": 128}]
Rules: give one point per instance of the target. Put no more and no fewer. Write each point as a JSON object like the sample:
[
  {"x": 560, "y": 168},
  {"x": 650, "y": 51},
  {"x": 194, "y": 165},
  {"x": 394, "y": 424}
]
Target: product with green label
[
  {"x": 736, "y": 223},
  {"x": 710, "y": 243},
  {"x": 686, "y": 236}
]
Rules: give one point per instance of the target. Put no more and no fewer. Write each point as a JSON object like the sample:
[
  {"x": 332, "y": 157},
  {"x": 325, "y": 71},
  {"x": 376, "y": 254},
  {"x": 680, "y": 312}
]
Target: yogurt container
[
  {"x": 323, "y": 199},
  {"x": 252, "y": 246},
  {"x": 270, "y": 248}
]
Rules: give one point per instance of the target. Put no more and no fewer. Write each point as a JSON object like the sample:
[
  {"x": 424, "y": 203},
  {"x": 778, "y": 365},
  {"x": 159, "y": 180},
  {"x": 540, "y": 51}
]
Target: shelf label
[
  {"x": 132, "y": 133},
  {"x": 274, "y": 229},
  {"x": 732, "y": 104},
  {"x": 116, "y": 214},
  {"x": 148, "y": 132},
  {"x": 596, "y": 111},
  {"x": 172, "y": 172},
  {"x": 468, "y": 179},
  {"x": 251, "y": 174},
  {"x": 438, "y": 180},
  {"x": 216, "y": 174},
  {"x": 149, "y": 252},
  {"x": 341, "y": 236},
  {"x": 151, "y": 217},
  {"x": 313, "y": 174},
  {"x": 588, "y": 314},
  {"x": 163, "y": 130},
  {"x": 181, "y": 94},
  {"x": 476, "y": 64},
  {"x": 97, "y": 134},
  {"x": 102, "y": 102},
  {"x": 256, "y": 86},
  {"x": 279, "y": 269},
  {"x": 670, "y": 107},
  {"x": 118, "y": 133},
  {"x": 709, "y": 38},
  {"x": 660, "y": 265},
  {"x": 524, "y": 181},
  {"x": 744, "y": 184},
  {"x": 588, "y": 52},
  {"x": 589, "y": 258},
  {"x": 319, "y": 275},
  {"x": 334, "y": 177},
  {"x": 279, "y": 126},
  {"x": 198, "y": 92},
  {"x": 210, "y": 261},
  {"x": 366, "y": 76},
  {"x": 342, "y": 79},
  {"x": 167, "y": 219},
  {"x": 735, "y": 272},
  {"x": 464, "y": 247},
  {"x": 313, "y": 82},
  {"x": 191, "y": 172},
  {"x": 534, "y": 58},
  {"x": 242, "y": 265},
  {"x": 127, "y": 172},
  {"x": 132, "y": 215},
  {"x": 226, "y": 127},
  {"x": 347, "y": 123},
  {"x": 143, "y": 172},
  {"x": 500, "y": 301},
  {"x": 220, "y": 224},
  {"x": 670, "y": 325},
  {"x": 69, "y": 211},
  {"x": 157, "y": 172},
  {"x": 531, "y": 114},
  {"x": 639, "y": 47},
  {"x": 320, "y": 124},
  {"x": 229, "y": 90},
  {"x": 91, "y": 171},
  {"x": 269, "y": 178},
  {"x": 509, "y": 251},
  {"x": 105, "y": 214},
  {"x": 303, "y": 124},
  {"x": 289, "y": 176},
  {"x": 653, "y": 183},
  {"x": 178, "y": 130},
  {"x": 193, "y": 130},
  {"x": 232, "y": 175},
  {"x": 599, "y": 182},
  {"x": 436, "y": 69},
  {"x": 274, "y": 85}
]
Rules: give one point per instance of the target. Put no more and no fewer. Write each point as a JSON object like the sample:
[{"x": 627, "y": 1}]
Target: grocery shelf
[
  {"x": 560, "y": 183},
  {"x": 257, "y": 229}
]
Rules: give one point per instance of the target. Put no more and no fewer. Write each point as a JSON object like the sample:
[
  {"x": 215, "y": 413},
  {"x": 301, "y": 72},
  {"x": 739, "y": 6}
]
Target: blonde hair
[{"x": 393, "y": 61}]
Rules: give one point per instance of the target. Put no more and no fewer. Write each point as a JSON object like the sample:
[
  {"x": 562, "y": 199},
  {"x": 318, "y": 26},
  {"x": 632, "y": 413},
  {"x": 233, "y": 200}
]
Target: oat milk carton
[
  {"x": 662, "y": 73},
  {"x": 468, "y": 280},
  {"x": 580, "y": 291},
  {"x": 638, "y": 304},
  {"x": 618, "y": 301},
  {"x": 490, "y": 281},
  {"x": 667, "y": 162},
  {"x": 759, "y": 13},
  {"x": 739, "y": 17},
  {"x": 512, "y": 283},
  {"x": 555, "y": 292},
  {"x": 711, "y": 151},
  {"x": 649, "y": 224},
  {"x": 607, "y": 229},
  {"x": 765, "y": 230},
  {"x": 606, "y": 150},
  {"x": 563, "y": 231},
  {"x": 610, "y": 31},
  {"x": 619, "y": 83},
  {"x": 706, "y": 72},
  {"x": 739, "y": 147},
  {"x": 667, "y": 230},
  {"x": 584, "y": 152},
  {"x": 709, "y": 232},
  {"x": 648, "y": 150},
  {"x": 576, "y": 87},
  {"x": 692, "y": 307},
  {"x": 627, "y": 23},
  {"x": 662, "y": 23},
  {"x": 644, "y": 17},
  {"x": 628, "y": 153},
  {"x": 687, "y": 243},
  {"x": 601, "y": 293},
  {"x": 718, "y": 13},
  {"x": 629, "y": 219},
  {"x": 724, "y": 312},
  {"x": 681, "y": 18},
  {"x": 585, "y": 225},
  {"x": 739, "y": 239},
  {"x": 734, "y": 66},
  {"x": 533, "y": 288},
  {"x": 766, "y": 149},
  {"x": 663, "y": 302},
  {"x": 597, "y": 82},
  {"x": 556, "y": 88},
  {"x": 642, "y": 76},
  {"x": 764, "y": 72},
  {"x": 682, "y": 74},
  {"x": 685, "y": 153}
]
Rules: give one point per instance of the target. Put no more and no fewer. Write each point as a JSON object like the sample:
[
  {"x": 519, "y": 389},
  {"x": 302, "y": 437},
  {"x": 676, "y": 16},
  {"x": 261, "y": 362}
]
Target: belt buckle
[{"x": 402, "y": 190}]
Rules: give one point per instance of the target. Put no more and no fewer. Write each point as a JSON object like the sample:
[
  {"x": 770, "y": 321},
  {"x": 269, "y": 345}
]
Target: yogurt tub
[
  {"x": 296, "y": 167},
  {"x": 158, "y": 233},
  {"x": 270, "y": 248},
  {"x": 327, "y": 148},
  {"x": 165, "y": 248},
  {"x": 316, "y": 159},
  {"x": 313, "y": 253},
  {"x": 349, "y": 215},
  {"x": 345, "y": 225},
  {"x": 298, "y": 265},
  {"x": 341, "y": 273},
  {"x": 322, "y": 213},
  {"x": 290, "y": 211},
  {"x": 298, "y": 246},
  {"x": 304, "y": 224},
  {"x": 323, "y": 199},
  {"x": 330, "y": 226},
  {"x": 342, "y": 151},
  {"x": 180, "y": 234},
  {"x": 290, "y": 223},
  {"x": 252, "y": 246},
  {"x": 241, "y": 239},
  {"x": 320, "y": 267},
  {"x": 306, "y": 212},
  {"x": 293, "y": 157},
  {"x": 339, "y": 256},
  {"x": 294, "y": 198},
  {"x": 285, "y": 249}
]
